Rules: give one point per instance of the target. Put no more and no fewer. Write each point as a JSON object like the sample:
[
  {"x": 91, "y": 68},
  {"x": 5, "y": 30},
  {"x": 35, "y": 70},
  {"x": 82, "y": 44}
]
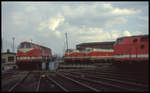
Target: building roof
[
  {"x": 96, "y": 43},
  {"x": 134, "y": 36},
  {"x": 4, "y": 53},
  {"x": 8, "y": 52}
]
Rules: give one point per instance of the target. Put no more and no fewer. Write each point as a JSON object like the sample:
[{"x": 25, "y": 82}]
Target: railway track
[
  {"x": 10, "y": 81},
  {"x": 105, "y": 84},
  {"x": 121, "y": 76},
  {"x": 47, "y": 84},
  {"x": 83, "y": 80},
  {"x": 10, "y": 75},
  {"x": 102, "y": 86},
  {"x": 18, "y": 83},
  {"x": 118, "y": 71},
  {"x": 29, "y": 83},
  {"x": 137, "y": 86},
  {"x": 71, "y": 84}
]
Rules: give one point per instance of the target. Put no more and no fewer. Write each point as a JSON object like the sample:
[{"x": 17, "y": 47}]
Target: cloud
[
  {"x": 58, "y": 34},
  {"x": 144, "y": 18},
  {"x": 138, "y": 33},
  {"x": 42, "y": 26},
  {"x": 17, "y": 18},
  {"x": 115, "y": 34},
  {"x": 94, "y": 35},
  {"x": 51, "y": 24},
  {"x": 90, "y": 22},
  {"x": 116, "y": 21},
  {"x": 30, "y": 8},
  {"x": 126, "y": 33},
  {"x": 54, "y": 22},
  {"x": 118, "y": 11},
  {"x": 107, "y": 5}
]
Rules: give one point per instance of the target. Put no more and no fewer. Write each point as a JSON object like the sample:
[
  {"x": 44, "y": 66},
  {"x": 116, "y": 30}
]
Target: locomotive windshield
[
  {"x": 28, "y": 45},
  {"x": 21, "y": 46},
  {"x": 25, "y": 45},
  {"x": 144, "y": 39}
]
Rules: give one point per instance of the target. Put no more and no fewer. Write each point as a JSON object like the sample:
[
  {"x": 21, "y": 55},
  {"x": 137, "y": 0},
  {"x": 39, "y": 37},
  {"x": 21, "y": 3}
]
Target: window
[
  {"x": 28, "y": 46},
  {"x": 144, "y": 39},
  {"x": 135, "y": 40},
  {"x": 142, "y": 46},
  {"x": 21, "y": 46},
  {"x": 11, "y": 59}
]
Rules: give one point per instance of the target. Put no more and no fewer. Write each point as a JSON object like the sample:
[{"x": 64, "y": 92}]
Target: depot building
[{"x": 8, "y": 60}]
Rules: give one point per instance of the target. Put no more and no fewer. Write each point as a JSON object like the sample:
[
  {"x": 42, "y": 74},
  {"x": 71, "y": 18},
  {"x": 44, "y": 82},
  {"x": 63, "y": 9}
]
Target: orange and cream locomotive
[
  {"x": 126, "y": 49},
  {"x": 132, "y": 48},
  {"x": 30, "y": 54}
]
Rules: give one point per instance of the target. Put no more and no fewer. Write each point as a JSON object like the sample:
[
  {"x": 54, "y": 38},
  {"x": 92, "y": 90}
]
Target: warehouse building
[
  {"x": 8, "y": 60},
  {"x": 102, "y": 45}
]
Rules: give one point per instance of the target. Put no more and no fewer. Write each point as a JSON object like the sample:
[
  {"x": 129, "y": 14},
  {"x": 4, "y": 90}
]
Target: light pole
[
  {"x": 13, "y": 43},
  {"x": 67, "y": 41}
]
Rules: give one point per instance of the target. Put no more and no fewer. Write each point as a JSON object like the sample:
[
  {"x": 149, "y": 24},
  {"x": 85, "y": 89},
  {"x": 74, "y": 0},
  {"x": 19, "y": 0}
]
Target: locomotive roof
[
  {"x": 37, "y": 45},
  {"x": 93, "y": 43},
  {"x": 134, "y": 36}
]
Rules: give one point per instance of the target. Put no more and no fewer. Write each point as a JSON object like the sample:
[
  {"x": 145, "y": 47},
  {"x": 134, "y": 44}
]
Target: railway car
[
  {"x": 30, "y": 55},
  {"x": 101, "y": 55},
  {"x": 132, "y": 49}
]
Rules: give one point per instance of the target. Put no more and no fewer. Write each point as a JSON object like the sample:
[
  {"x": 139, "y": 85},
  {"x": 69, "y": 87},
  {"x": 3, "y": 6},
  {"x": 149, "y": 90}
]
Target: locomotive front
[
  {"x": 27, "y": 52},
  {"x": 30, "y": 56}
]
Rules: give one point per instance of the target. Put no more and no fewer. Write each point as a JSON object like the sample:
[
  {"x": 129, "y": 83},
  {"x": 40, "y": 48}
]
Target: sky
[{"x": 45, "y": 23}]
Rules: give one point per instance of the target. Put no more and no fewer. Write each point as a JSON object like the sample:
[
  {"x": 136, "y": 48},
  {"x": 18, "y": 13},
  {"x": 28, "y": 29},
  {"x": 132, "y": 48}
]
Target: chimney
[{"x": 8, "y": 51}]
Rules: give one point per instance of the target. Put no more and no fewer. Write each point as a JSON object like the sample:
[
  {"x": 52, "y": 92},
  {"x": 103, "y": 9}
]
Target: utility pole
[
  {"x": 13, "y": 43},
  {"x": 66, "y": 41},
  {"x": 2, "y": 45}
]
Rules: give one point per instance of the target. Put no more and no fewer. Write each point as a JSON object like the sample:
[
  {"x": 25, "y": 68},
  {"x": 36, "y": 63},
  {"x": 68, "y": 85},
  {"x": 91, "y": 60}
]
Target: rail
[
  {"x": 101, "y": 82},
  {"x": 19, "y": 82},
  {"x": 111, "y": 79},
  {"x": 96, "y": 90},
  {"x": 64, "y": 89}
]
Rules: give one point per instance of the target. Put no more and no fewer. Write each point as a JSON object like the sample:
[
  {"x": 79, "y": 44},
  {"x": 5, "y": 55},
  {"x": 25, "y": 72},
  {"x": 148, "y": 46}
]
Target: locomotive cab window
[
  {"x": 135, "y": 40},
  {"x": 21, "y": 46},
  {"x": 28, "y": 45},
  {"x": 144, "y": 39}
]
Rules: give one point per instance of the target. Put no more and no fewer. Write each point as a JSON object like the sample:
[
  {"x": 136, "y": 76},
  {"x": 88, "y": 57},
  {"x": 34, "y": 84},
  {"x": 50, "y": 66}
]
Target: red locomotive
[
  {"x": 74, "y": 55},
  {"x": 30, "y": 54},
  {"x": 132, "y": 48},
  {"x": 89, "y": 55},
  {"x": 102, "y": 55}
]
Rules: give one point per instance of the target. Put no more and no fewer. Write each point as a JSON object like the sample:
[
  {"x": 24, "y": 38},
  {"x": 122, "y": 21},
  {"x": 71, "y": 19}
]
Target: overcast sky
[{"x": 46, "y": 23}]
